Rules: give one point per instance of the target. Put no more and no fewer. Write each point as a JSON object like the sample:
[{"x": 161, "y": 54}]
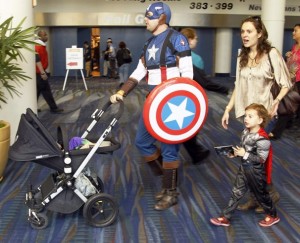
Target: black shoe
[
  {"x": 57, "y": 110},
  {"x": 39, "y": 110}
]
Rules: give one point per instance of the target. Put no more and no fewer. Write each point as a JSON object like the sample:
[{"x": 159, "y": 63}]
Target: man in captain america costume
[{"x": 165, "y": 55}]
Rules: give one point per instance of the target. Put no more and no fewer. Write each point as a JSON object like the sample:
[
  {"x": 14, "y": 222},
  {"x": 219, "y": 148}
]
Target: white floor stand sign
[{"x": 74, "y": 61}]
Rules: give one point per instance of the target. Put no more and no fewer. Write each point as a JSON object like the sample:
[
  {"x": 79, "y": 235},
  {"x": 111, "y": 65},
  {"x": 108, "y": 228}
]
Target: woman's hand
[
  {"x": 274, "y": 108},
  {"x": 288, "y": 54},
  {"x": 276, "y": 101},
  {"x": 239, "y": 151},
  {"x": 225, "y": 119}
]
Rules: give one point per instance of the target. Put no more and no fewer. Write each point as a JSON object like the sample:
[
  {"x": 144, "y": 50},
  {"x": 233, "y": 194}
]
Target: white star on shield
[
  {"x": 152, "y": 52},
  {"x": 178, "y": 113}
]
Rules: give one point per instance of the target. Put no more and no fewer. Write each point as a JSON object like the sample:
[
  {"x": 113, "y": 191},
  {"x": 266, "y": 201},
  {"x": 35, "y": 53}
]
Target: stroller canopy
[{"x": 33, "y": 140}]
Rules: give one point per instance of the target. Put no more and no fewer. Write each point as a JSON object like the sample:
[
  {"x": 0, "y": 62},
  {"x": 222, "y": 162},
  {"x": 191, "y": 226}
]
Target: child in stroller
[{"x": 72, "y": 185}]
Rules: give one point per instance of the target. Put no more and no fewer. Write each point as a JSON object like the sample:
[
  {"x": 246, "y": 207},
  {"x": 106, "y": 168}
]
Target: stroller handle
[
  {"x": 97, "y": 114},
  {"x": 104, "y": 134},
  {"x": 120, "y": 111}
]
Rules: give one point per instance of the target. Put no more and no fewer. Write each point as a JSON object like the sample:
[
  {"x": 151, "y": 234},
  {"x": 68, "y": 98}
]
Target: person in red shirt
[
  {"x": 293, "y": 64},
  {"x": 42, "y": 74}
]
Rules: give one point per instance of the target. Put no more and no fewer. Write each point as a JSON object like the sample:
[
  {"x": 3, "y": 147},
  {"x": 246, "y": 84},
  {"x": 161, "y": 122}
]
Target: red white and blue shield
[{"x": 175, "y": 110}]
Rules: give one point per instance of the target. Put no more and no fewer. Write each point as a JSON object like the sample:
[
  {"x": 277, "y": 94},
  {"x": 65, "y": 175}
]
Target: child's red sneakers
[
  {"x": 269, "y": 221},
  {"x": 221, "y": 221}
]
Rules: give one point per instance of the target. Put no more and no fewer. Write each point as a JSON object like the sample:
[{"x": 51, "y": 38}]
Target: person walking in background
[
  {"x": 111, "y": 52},
  {"x": 293, "y": 64},
  {"x": 255, "y": 151},
  {"x": 42, "y": 72},
  {"x": 159, "y": 66},
  {"x": 123, "y": 59},
  {"x": 198, "y": 65},
  {"x": 105, "y": 54},
  {"x": 87, "y": 59},
  {"x": 254, "y": 79},
  {"x": 96, "y": 57},
  {"x": 196, "y": 150}
]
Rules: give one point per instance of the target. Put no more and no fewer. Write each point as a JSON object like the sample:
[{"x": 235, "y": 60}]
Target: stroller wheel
[
  {"x": 100, "y": 210},
  {"x": 41, "y": 222}
]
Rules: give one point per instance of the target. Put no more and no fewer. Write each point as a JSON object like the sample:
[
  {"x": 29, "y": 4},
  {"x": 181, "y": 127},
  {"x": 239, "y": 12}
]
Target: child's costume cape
[{"x": 268, "y": 163}]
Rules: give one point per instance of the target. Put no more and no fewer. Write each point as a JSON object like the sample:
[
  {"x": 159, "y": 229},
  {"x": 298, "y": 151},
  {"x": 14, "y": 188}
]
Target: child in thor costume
[{"x": 254, "y": 172}]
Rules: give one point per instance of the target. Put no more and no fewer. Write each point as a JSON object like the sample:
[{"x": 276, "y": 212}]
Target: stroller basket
[{"x": 72, "y": 184}]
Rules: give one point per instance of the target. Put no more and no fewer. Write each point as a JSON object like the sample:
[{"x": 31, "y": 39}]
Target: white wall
[{"x": 12, "y": 111}]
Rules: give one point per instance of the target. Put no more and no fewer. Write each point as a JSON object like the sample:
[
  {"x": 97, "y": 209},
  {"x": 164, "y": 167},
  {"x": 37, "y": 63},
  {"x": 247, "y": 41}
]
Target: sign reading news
[{"x": 74, "y": 58}]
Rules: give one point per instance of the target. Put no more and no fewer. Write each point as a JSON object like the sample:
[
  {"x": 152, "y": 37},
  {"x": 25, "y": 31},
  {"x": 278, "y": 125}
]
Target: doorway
[{"x": 95, "y": 50}]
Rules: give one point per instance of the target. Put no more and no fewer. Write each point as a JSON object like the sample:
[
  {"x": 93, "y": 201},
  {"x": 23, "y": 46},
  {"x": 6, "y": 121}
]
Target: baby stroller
[{"x": 72, "y": 185}]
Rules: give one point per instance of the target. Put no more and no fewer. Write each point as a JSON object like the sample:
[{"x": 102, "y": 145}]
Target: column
[
  {"x": 273, "y": 16},
  {"x": 223, "y": 52},
  {"x": 15, "y": 106}
]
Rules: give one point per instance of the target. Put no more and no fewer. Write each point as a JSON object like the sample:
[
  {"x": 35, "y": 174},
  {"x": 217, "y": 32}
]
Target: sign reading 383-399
[
  {"x": 205, "y": 5},
  {"x": 246, "y": 7}
]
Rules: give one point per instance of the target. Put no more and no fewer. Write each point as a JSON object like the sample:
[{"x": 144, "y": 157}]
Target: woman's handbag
[{"x": 290, "y": 102}]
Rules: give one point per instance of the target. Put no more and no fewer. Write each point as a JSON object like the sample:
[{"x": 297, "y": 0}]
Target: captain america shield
[{"x": 175, "y": 110}]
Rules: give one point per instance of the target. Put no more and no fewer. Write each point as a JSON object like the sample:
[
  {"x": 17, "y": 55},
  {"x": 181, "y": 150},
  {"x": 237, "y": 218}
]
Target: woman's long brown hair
[{"x": 263, "y": 45}]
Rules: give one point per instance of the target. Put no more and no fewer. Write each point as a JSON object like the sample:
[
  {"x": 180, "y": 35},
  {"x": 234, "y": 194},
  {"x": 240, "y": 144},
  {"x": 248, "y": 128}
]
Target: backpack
[{"x": 126, "y": 56}]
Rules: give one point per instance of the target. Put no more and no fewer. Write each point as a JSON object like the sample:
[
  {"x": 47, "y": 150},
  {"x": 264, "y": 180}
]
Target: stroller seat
[{"x": 73, "y": 184}]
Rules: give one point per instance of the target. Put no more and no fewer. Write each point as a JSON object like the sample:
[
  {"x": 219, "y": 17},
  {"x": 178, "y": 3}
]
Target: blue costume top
[
  {"x": 177, "y": 45},
  {"x": 171, "y": 49}
]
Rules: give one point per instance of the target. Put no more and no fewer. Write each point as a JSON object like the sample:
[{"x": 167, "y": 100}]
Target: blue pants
[
  {"x": 124, "y": 72},
  {"x": 272, "y": 123},
  {"x": 146, "y": 144}
]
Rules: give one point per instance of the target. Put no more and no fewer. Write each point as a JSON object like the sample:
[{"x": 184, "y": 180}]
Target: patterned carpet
[{"x": 204, "y": 188}]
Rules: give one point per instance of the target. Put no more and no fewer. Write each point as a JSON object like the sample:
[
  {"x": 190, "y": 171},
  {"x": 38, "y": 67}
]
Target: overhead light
[{"x": 34, "y": 3}]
